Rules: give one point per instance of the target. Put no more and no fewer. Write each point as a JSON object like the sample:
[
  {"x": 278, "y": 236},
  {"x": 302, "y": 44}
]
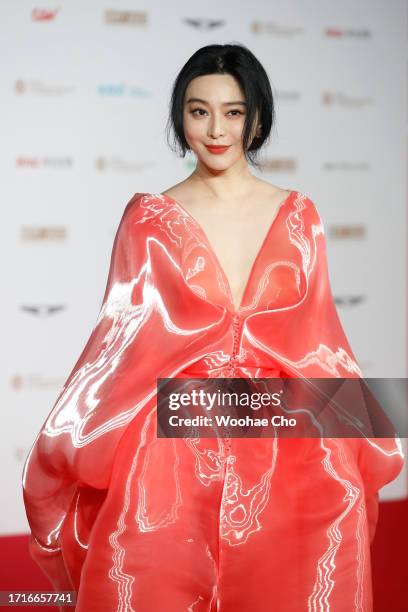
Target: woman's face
[{"x": 214, "y": 114}]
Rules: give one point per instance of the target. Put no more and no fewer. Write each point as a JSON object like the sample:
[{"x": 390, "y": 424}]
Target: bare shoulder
[
  {"x": 262, "y": 189},
  {"x": 279, "y": 194},
  {"x": 178, "y": 191},
  {"x": 271, "y": 192}
]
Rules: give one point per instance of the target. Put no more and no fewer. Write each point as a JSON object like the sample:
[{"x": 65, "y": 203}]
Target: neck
[{"x": 223, "y": 185}]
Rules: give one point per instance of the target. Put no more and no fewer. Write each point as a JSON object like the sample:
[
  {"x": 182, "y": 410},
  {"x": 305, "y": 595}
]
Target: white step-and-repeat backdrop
[{"x": 84, "y": 96}]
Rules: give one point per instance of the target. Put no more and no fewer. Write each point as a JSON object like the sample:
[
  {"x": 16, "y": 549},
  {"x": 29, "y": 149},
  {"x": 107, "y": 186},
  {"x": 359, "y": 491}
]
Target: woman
[{"x": 221, "y": 276}]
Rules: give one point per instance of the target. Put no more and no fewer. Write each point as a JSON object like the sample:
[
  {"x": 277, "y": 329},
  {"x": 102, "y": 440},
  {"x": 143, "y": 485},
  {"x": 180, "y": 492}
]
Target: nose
[{"x": 216, "y": 127}]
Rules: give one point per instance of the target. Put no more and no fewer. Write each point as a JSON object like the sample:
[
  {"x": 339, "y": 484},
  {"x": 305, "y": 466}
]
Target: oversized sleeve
[
  {"x": 150, "y": 326},
  {"x": 72, "y": 454},
  {"x": 308, "y": 340},
  {"x": 379, "y": 459}
]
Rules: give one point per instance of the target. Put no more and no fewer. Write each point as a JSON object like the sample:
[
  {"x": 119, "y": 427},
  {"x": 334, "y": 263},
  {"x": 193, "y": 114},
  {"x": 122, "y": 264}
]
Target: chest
[{"x": 236, "y": 235}]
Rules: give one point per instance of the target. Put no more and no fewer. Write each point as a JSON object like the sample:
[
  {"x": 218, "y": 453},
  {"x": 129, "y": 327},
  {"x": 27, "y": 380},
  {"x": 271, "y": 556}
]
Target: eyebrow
[{"x": 224, "y": 103}]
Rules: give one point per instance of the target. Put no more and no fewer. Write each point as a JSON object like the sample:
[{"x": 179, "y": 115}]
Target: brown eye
[{"x": 198, "y": 111}]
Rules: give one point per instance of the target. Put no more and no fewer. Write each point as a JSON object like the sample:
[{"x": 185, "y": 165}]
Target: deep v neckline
[{"x": 236, "y": 310}]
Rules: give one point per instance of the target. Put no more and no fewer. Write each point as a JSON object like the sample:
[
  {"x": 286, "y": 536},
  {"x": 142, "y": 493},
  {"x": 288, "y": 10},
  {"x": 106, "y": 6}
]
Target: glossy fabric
[{"x": 135, "y": 522}]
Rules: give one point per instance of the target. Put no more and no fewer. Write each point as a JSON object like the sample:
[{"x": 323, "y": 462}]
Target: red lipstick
[{"x": 217, "y": 149}]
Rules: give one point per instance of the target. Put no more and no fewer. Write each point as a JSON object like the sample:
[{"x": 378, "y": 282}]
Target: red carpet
[
  {"x": 389, "y": 562},
  {"x": 20, "y": 573},
  {"x": 390, "y": 558}
]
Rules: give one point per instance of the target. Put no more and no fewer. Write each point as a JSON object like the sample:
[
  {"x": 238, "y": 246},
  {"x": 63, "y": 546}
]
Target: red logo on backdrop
[
  {"x": 334, "y": 32},
  {"x": 38, "y": 14},
  {"x": 30, "y": 162}
]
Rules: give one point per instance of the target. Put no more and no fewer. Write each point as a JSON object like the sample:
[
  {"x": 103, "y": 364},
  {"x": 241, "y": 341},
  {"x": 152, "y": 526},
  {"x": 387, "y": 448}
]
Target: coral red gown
[{"x": 133, "y": 522}]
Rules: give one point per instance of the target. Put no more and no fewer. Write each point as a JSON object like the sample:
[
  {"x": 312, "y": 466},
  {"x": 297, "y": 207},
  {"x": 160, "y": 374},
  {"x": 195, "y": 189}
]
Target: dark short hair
[{"x": 238, "y": 61}]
